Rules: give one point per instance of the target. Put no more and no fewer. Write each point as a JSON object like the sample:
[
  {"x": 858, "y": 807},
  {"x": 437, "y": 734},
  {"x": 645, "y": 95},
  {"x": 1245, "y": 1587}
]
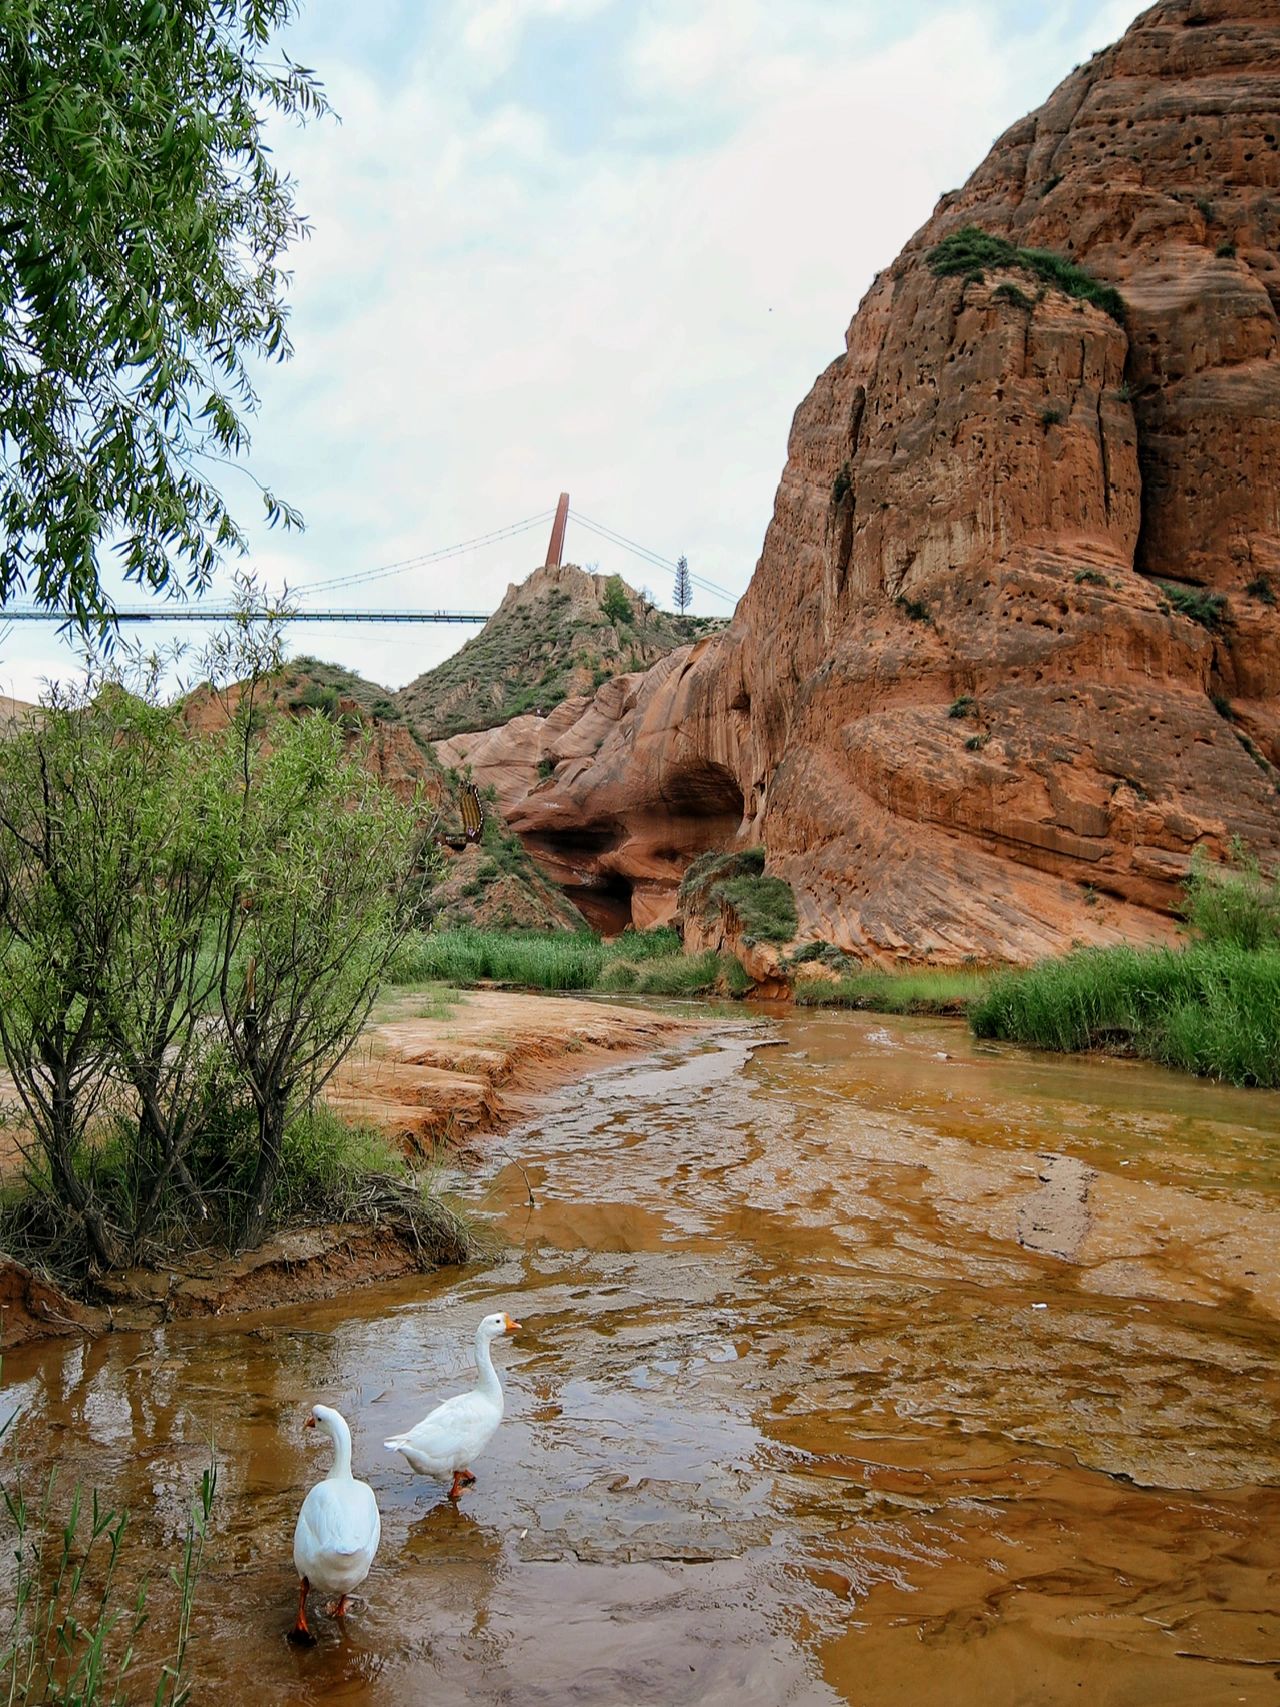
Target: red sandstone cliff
[{"x": 981, "y": 498}]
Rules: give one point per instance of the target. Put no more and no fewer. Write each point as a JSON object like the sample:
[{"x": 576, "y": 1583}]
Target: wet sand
[{"x": 876, "y": 1367}]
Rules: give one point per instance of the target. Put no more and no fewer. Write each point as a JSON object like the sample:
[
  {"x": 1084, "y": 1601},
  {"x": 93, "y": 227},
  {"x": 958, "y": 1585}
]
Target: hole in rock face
[
  {"x": 696, "y": 807},
  {"x": 606, "y": 905}
]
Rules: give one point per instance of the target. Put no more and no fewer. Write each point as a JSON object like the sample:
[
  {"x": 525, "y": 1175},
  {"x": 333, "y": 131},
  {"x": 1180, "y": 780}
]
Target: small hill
[
  {"x": 550, "y": 638},
  {"x": 14, "y": 712},
  {"x": 492, "y": 883}
]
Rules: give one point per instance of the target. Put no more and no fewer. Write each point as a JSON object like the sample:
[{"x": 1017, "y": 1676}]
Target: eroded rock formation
[{"x": 961, "y": 703}]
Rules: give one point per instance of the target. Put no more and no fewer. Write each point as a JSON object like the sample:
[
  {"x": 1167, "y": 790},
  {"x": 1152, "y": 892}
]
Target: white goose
[
  {"x": 451, "y": 1437},
  {"x": 338, "y": 1527}
]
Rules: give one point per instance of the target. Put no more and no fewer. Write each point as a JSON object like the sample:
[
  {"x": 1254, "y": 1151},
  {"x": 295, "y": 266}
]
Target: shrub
[
  {"x": 970, "y": 251},
  {"x": 965, "y": 706},
  {"x": 546, "y": 768},
  {"x": 1260, "y": 588},
  {"x": 205, "y": 912},
  {"x": 976, "y": 743},
  {"x": 1208, "y": 609},
  {"x": 316, "y": 696},
  {"x": 1051, "y": 417},
  {"x": 1090, "y": 578},
  {"x": 1225, "y": 251},
  {"x": 615, "y": 604},
  {"x": 914, "y": 609},
  {"x": 842, "y": 485}
]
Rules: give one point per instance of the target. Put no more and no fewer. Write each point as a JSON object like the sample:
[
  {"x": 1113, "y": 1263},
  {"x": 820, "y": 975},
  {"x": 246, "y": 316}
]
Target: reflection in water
[{"x": 875, "y": 1367}]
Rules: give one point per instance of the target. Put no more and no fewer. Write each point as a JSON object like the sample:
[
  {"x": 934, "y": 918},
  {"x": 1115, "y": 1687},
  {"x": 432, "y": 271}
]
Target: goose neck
[
  {"x": 488, "y": 1382},
  {"x": 340, "y": 1435}
]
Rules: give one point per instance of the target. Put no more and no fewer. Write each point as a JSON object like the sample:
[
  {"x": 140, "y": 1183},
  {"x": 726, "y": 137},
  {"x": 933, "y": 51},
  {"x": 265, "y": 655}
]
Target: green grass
[
  {"x": 334, "y": 1171},
  {"x": 1212, "y": 1009},
  {"x": 917, "y": 991},
  {"x": 560, "y": 960},
  {"x": 970, "y": 251},
  {"x": 643, "y": 963},
  {"x": 678, "y": 975},
  {"x": 1235, "y": 906},
  {"x": 72, "y": 1629},
  {"x": 765, "y": 906}
]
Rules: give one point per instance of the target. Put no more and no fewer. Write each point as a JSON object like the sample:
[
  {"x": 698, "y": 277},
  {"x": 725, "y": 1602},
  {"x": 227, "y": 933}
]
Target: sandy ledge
[{"x": 426, "y": 1082}]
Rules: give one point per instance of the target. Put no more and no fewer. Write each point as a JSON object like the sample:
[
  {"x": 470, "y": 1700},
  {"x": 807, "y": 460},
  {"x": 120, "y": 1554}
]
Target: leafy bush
[
  {"x": 615, "y": 604},
  {"x": 1260, "y": 588},
  {"x": 914, "y": 609},
  {"x": 1090, "y": 578},
  {"x": 317, "y": 696},
  {"x": 965, "y": 706},
  {"x": 970, "y": 251},
  {"x": 184, "y": 913}
]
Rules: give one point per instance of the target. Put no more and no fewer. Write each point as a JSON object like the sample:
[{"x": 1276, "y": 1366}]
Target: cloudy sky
[{"x": 601, "y": 246}]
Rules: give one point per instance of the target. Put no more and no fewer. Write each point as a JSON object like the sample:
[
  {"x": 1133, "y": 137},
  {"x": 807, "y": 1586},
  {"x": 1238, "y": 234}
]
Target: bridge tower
[{"x": 555, "y": 546}]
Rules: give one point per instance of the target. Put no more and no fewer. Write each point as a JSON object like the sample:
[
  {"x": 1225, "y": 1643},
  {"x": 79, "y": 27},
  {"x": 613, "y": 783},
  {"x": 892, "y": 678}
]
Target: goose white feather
[
  {"x": 338, "y": 1528},
  {"x": 448, "y": 1438}
]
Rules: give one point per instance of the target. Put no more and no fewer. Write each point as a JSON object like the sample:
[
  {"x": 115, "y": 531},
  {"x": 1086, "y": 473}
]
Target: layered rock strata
[{"x": 962, "y": 702}]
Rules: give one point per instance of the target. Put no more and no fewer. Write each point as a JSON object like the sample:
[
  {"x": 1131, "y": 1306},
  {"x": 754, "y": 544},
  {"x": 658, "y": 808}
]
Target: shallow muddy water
[{"x": 861, "y": 1363}]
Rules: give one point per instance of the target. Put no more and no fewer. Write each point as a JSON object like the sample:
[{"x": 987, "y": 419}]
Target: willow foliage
[{"x": 143, "y": 225}]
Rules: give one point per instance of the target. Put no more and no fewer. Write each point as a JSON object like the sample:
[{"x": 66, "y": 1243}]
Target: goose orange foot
[
  {"x": 300, "y": 1635},
  {"x": 461, "y": 1479},
  {"x": 339, "y": 1607}
]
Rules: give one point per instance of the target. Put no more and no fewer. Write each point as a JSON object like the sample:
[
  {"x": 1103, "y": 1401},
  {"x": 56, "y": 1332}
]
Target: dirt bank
[
  {"x": 425, "y": 1079},
  {"x": 428, "y": 1080}
]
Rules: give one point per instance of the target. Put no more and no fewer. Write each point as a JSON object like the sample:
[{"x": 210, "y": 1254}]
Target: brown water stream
[{"x": 871, "y": 1366}]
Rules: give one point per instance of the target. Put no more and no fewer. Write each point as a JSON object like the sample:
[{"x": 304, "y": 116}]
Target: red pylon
[{"x": 556, "y": 547}]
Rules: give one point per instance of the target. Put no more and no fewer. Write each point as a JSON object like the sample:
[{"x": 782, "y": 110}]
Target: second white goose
[{"x": 448, "y": 1440}]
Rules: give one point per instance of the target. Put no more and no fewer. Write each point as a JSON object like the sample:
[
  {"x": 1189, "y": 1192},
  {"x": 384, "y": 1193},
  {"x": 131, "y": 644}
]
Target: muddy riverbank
[
  {"x": 469, "y": 1067},
  {"x": 877, "y": 1367}
]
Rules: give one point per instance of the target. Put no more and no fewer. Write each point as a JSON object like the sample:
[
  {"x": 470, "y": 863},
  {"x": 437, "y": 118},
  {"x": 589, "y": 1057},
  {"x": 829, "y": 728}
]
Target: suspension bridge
[{"x": 300, "y": 608}]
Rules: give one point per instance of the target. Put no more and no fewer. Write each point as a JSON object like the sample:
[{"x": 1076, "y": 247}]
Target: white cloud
[{"x": 627, "y": 298}]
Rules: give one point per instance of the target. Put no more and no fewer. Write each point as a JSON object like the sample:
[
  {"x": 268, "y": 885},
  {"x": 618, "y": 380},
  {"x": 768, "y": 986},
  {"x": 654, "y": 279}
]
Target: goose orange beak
[
  {"x": 511, "y": 1327},
  {"x": 310, "y": 1422}
]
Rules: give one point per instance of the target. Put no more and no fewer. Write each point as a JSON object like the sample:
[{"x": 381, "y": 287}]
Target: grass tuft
[
  {"x": 970, "y": 251},
  {"x": 1208, "y": 609}
]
